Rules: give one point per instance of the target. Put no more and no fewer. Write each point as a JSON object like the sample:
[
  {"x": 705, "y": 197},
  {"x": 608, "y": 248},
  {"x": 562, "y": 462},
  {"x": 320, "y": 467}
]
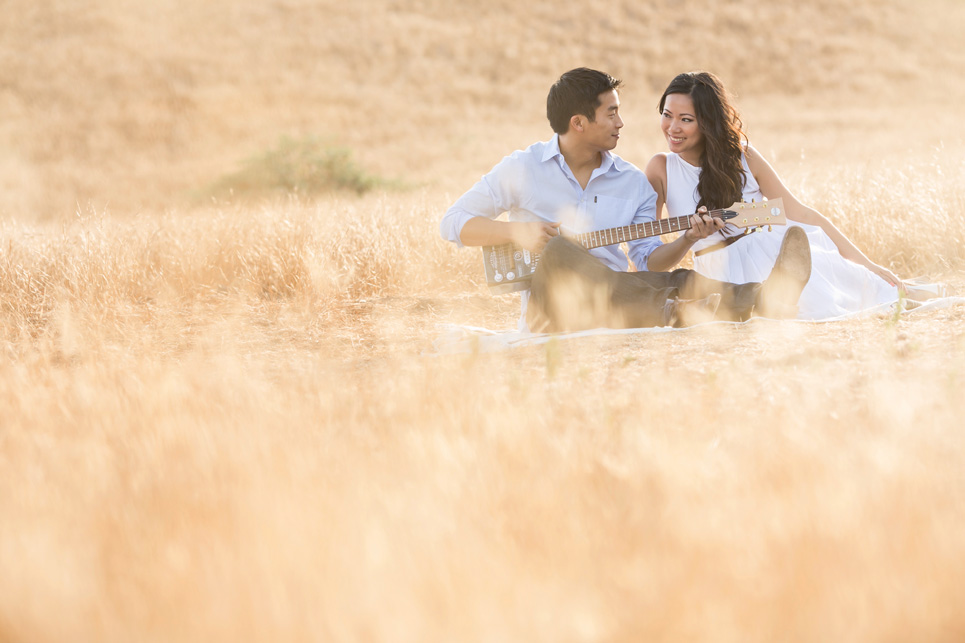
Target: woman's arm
[
  {"x": 668, "y": 255},
  {"x": 772, "y": 187}
]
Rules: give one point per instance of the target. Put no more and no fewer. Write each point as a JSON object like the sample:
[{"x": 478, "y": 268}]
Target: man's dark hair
[{"x": 577, "y": 92}]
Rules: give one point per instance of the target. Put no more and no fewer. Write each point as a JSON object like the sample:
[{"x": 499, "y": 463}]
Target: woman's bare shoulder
[
  {"x": 754, "y": 158},
  {"x": 754, "y": 155},
  {"x": 657, "y": 166}
]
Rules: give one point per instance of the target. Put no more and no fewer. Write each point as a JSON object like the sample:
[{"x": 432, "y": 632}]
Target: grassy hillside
[{"x": 131, "y": 105}]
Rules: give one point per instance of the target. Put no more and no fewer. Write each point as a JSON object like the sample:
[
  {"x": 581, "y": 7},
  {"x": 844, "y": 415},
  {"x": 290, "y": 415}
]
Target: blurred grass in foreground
[{"x": 222, "y": 424}]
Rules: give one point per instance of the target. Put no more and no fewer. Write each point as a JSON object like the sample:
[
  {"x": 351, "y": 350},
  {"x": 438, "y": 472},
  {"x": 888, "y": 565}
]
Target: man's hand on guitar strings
[{"x": 534, "y": 235}]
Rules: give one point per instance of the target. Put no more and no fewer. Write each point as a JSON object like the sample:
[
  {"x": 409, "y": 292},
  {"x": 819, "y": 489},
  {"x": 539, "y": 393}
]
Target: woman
[{"x": 711, "y": 164}]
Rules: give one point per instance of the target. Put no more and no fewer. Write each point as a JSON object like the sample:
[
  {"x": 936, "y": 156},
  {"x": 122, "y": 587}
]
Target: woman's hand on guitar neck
[
  {"x": 533, "y": 235},
  {"x": 702, "y": 225},
  {"x": 666, "y": 256}
]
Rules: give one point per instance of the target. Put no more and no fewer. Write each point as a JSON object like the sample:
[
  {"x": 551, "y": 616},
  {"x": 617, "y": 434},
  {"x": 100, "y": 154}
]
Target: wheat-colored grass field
[{"x": 222, "y": 416}]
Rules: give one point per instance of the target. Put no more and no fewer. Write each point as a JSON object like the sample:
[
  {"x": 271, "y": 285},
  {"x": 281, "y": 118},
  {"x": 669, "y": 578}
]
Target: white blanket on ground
[{"x": 474, "y": 339}]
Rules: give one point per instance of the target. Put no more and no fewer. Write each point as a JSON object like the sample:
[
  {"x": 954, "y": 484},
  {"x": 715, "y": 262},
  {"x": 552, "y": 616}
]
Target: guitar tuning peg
[{"x": 770, "y": 228}]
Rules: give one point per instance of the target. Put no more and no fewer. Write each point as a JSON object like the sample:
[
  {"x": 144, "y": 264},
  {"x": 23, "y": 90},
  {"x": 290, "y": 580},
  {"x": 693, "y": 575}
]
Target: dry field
[{"x": 222, "y": 416}]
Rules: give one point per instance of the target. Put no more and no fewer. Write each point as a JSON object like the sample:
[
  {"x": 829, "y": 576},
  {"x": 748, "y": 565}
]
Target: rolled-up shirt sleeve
[
  {"x": 639, "y": 250},
  {"x": 489, "y": 197}
]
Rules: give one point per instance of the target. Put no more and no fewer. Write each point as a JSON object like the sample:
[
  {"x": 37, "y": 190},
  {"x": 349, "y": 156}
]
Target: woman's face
[{"x": 679, "y": 125}]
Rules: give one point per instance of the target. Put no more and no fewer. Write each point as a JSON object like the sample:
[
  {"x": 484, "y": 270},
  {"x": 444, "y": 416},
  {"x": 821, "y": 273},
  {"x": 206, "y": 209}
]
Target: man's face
[{"x": 604, "y": 131}]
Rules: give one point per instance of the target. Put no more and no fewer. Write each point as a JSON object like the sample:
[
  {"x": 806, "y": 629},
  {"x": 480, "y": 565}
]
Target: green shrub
[{"x": 304, "y": 166}]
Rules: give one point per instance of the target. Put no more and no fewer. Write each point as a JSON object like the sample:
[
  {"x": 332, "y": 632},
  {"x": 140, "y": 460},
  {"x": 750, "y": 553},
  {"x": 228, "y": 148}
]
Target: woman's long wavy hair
[{"x": 722, "y": 175}]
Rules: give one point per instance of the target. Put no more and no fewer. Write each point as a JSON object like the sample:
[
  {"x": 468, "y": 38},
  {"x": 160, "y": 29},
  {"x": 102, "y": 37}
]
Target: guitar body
[{"x": 510, "y": 268}]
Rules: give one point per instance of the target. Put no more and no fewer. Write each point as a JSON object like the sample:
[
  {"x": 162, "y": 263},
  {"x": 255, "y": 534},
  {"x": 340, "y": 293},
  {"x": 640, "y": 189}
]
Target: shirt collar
[
  {"x": 552, "y": 151},
  {"x": 552, "y": 148}
]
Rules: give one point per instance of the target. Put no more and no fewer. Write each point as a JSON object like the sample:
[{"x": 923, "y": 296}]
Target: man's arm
[
  {"x": 640, "y": 250},
  {"x": 471, "y": 221},
  {"x": 532, "y": 235}
]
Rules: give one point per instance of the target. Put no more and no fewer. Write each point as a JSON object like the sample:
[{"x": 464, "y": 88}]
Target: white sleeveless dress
[{"x": 837, "y": 286}]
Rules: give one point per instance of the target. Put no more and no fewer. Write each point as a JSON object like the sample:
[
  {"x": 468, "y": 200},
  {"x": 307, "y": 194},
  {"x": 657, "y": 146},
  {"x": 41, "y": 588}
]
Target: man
[{"x": 574, "y": 182}]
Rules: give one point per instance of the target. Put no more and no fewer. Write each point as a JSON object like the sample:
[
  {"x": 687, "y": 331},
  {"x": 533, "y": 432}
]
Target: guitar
[{"x": 510, "y": 267}]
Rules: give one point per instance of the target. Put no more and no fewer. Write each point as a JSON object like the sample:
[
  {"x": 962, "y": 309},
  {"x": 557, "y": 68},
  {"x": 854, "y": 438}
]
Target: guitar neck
[{"x": 610, "y": 236}]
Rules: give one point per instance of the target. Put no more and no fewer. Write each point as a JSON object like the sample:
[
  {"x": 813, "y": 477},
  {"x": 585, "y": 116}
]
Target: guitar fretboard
[{"x": 610, "y": 236}]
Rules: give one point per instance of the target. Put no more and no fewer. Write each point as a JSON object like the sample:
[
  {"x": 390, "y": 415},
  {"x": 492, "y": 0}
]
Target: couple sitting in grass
[{"x": 573, "y": 184}]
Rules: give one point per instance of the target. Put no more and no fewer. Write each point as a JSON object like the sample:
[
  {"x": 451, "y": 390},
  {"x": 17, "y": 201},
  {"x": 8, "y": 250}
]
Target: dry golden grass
[
  {"x": 223, "y": 425},
  {"x": 226, "y": 421}
]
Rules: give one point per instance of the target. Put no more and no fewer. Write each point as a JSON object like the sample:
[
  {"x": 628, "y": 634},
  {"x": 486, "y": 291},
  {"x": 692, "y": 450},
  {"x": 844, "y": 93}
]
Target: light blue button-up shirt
[{"x": 535, "y": 184}]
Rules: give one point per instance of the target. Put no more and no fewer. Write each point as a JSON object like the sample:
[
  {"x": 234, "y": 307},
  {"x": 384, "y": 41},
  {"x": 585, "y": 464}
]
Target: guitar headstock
[{"x": 756, "y": 214}]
